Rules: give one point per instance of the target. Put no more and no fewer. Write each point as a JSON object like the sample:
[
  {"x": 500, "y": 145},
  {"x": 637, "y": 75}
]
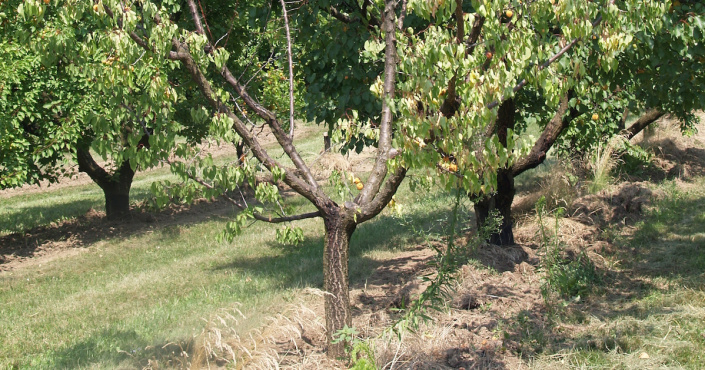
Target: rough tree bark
[{"x": 338, "y": 230}]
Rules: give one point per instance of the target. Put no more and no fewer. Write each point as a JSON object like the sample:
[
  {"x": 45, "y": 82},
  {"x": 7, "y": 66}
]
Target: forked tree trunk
[
  {"x": 502, "y": 200},
  {"x": 115, "y": 186},
  {"x": 338, "y": 230},
  {"x": 502, "y": 203}
]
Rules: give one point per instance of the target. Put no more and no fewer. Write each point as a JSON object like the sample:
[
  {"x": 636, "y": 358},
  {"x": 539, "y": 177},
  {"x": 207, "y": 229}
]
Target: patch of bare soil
[
  {"x": 70, "y": 237},
  {"x": 467, "y": 336}
]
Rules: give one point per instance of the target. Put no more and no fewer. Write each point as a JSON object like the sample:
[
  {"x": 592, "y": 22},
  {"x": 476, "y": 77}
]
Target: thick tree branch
[
  {"x": 553, "y": 129},
  {"x": 337, "y": 14},
  {"x": 196, "y": 18},
  {"x": 314, "y": 195},
  {"x": 402, "y": 15},
  {"x": 651, "y": 116},
  {"x": 379, "y": 170},
  {"x": 282, "y": 138},
  {"x": 384, "y": 196},
  {"x": 88, "y": 165}
]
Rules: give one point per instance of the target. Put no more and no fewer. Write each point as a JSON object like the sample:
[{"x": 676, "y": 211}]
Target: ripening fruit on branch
[
  {"x": 453, "y": 167},
  {"x": 359, "y": 186},
  {"x": 356, "y": 180},
  {"x": 489, "y": 54},
  {"x": 595, "y": 116},
  {"x": 509, "y": 13}
]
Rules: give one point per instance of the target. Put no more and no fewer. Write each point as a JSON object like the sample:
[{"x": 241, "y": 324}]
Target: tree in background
[
  {"x": 544, "y": 63},
  {"x": 61, "y": 102}
]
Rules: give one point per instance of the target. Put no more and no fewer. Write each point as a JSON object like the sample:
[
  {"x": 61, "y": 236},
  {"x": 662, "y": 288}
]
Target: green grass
[
  {"x": 656, "y": 303},
  {"x": 25, "y": 211},
  {"x": 121, "y": 300}
]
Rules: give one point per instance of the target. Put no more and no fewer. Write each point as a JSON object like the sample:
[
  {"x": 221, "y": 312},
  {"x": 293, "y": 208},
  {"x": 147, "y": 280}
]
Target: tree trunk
[
  {"x": 338, "y": 230},
  {"x": 502, "y": 199},
  {"x": 117, "y": 198},
  {"x": 502, "y": 203},
  {"x": 116, "y": 186}
]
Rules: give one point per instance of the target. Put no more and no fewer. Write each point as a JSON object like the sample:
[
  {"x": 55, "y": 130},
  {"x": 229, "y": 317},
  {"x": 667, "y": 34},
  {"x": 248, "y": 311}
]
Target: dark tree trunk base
[
  {"x": 117, "y": 204},
  {"x": 502, "y": 203},
  {"x": 116, "y": 186}
]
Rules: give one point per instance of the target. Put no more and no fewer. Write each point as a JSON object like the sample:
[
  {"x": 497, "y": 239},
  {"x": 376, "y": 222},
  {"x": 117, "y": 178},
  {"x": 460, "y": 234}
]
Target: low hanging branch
[
  {"x": 642, "y": 122},
  {"x": 258, "y": 216}
]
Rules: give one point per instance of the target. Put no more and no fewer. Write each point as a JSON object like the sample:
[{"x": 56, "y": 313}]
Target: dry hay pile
[
  {"x": 328, "y": 162},
  {"x": 622, "y": 204}
]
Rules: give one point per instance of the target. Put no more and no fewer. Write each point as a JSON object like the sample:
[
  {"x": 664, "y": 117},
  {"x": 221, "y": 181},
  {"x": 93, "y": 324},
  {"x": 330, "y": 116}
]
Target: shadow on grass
[
  {"x": 92, "y": 227},
  {"x": 302, "y": 265},
  {"x": 122, "y": 349},
  {"x": 293, "y": 266},
  {"x": 26, "y": 218}
]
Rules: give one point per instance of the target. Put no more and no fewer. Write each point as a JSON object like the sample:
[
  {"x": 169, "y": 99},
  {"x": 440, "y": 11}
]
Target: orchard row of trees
[{"x": 448, "y": 87}]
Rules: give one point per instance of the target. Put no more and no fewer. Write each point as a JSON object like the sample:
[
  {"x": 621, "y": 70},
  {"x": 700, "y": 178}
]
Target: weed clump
[{"x": 569, "y": 279}]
